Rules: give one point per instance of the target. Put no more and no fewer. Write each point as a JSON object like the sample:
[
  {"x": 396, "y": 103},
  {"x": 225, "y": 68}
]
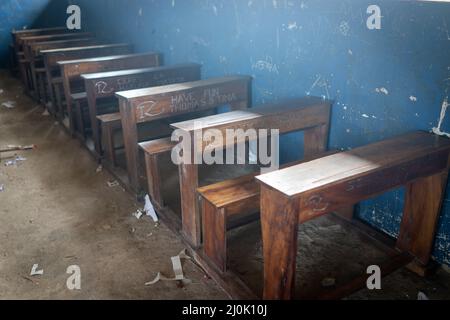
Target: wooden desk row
[{"x": 109, "y": 90}]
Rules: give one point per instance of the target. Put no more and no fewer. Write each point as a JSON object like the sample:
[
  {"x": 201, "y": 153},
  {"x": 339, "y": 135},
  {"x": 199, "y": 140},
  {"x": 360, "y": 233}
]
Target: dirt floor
[{"x": 56, "y": 210}]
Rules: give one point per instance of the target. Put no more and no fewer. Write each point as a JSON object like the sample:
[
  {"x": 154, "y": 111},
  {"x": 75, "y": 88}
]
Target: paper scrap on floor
[
  {"x": 9, "y": 104},
  {"x": 15, "y": 162},
  {"x": 177, "y": 270},
  {"x": 149, "y": 209},
  {"x": 35, "y": 271},
  {"x": 113, "y": 184},
  {"x": 138, "y": 214}
]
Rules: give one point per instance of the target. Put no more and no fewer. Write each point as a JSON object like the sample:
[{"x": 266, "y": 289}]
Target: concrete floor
[{"x": 56, "y": 210}]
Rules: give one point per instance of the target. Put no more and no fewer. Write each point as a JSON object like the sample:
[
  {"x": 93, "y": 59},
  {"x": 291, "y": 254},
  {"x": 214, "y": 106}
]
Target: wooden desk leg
[
  {"x": 189, "y": 205},
  {"x": 51, "y": 96},
  {"x": 79, "y": 120},
  {"x": 279, "y": 222},
  {"x": 315, "y": 141},
  {"x": 153, "y": 179},
  {"x": 423, "y": 202},
  {"x": 96, "y": 130},
  {"x": 23, "y": 75},
  {"x": 59, "y": 103},
  {"x": 108, "y": 137},
  {"x": 35, "y": 82},
  {"x": 215, "y": 235},
  {"x": 41, "y": 85}
]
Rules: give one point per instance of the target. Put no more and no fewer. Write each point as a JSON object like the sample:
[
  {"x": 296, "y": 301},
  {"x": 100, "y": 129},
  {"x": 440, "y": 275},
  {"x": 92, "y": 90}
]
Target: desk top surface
[
  {"x": 233, "y": 117},
  {"x": 64, "y": 50},
  {"x": 348, "y": 165},
  {"x": 185, "y": 86},
  {"x": 130, "y": 72}
]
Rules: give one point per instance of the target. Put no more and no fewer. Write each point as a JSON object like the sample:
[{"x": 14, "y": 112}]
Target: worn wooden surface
[
  {"x": 106, "y": 84},
  {"x": 25, "y": 41},
  {"x": 239, "y": 196},
  {"x": 53, "y": 56},
  {"x": 32, "y": 54},
  {"x": 71, "y": 71},
  {"x": 286, "y": 116},
  {"x": 146, "y": 105},
  {"x": 418, "y": 160}
]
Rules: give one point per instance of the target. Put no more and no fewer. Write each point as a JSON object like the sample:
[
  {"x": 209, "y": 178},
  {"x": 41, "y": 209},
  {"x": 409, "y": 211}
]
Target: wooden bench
[
  {"x": 17, "y": 36},
  {"x": 153, "y": 149},
  {"x": 419, "y": 161},
  {"x": 32, "y": 54},
  {"x": 25, "y": 62},
  {"x": 224, "y": 201},
  {"x": 142, "y": 106},
  {"x": 52, "y": 70},
  {"x": 100, "y": 86},
  {"x": 310, "y": 114},
  {"x": 71, "y": 71}
]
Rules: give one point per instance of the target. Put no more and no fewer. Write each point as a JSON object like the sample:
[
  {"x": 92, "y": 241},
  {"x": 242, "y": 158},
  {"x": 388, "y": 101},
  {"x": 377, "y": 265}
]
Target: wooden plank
[
  {"x": 287, "y": 116},
  {"x": 106, "y": 84},
  {"x": 32, "y": 53},
  {"x": 52, "y": 57},
  {"x": 418, "y": 160},
  {"x": 71, "y": 71},
  {"x": 146, "y": 105},
  {"x": 329, "y": 170},
  {"x": 423, "y": 203},
  {"x": 279, "y": 223}
]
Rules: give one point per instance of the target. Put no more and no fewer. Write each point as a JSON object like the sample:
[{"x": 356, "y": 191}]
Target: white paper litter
[
  {"x": 2, "y": 187},
  {"x": 1, "y": 91},
  {"x": 9, "y": 104},
  {"x": 113, "y": 184},
  {"x": 35, "y": 271},
  {"x": 149, "y": 209},
  {"x": 138, "y": 214},
  {"x": 99, "y": 169},
  {"x": 177, "y": 270},
  {"x": 422, "y": 296},
  {"x": 15, "y": 162},
  {"x": 46, "y": 113}
]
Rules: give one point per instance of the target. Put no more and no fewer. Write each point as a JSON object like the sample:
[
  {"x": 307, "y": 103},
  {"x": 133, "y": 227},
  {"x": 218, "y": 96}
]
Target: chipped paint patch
[
  {"x": 382, "y": 90},
  {"x": 437, "y": 130},
  {"x": 292, "y": 25}
]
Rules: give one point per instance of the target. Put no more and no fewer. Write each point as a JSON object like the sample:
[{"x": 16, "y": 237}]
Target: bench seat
[
  {"x": 79, "y": 96},
  {"x": 153, "y": 149},
  {"x": 225, "y": 200}
]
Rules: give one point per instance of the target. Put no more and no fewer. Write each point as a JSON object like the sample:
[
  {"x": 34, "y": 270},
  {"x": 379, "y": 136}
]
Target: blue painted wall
[
  {"x": 20, "y": 14},
  {"x": 385, "y": 82}
]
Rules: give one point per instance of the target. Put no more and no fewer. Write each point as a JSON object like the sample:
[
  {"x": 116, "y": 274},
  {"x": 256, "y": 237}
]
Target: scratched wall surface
[
  {"x": 20, "y": 14},
  {"x": 385, "y": 82}
]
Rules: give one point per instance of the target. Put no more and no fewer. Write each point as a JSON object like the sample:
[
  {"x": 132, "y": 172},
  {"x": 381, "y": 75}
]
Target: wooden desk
[
  {"x": 17, "y": 36},
  {"x": 52, "y": 57},
  {"x": 32, "y": 54},
  {"x": 418, "y": 161},
  {"x": 26, "y": 41},
  {"x": 310, "y": 114},
  {"x": 71, "y": 71},
  {"x": 106, "y": 84},
  {"x": 146, "y": 105}
]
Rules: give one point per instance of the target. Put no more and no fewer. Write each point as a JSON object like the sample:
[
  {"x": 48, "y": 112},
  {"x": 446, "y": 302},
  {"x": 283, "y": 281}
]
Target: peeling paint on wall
[{"x": 437, "y": 130}]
